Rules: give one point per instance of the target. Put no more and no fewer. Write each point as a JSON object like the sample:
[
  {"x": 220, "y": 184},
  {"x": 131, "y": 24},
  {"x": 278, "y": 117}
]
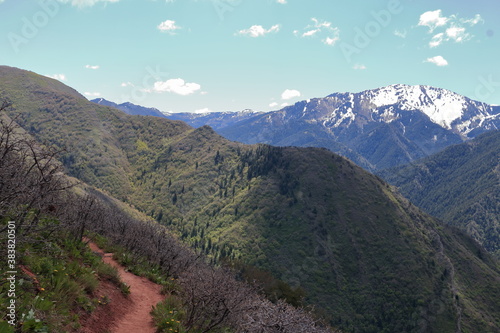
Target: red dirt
[
  {"x": 124, "y": 314},
  {"x": 31, "y": 276},
  {"x": 103, "y": 318}
]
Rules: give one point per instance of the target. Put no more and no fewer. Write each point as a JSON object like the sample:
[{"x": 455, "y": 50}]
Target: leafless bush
[
  {"x": 268, "y": 317},
  {"x": 31, "y": 179}
]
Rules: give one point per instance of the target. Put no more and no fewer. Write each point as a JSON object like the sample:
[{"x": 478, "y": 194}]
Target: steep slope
[
  {"x": 387, "y": 127},
  {"x": 364, "y": 255},
  {"x": 460, "y": 185},
  {"x": 58, "y": 115}
]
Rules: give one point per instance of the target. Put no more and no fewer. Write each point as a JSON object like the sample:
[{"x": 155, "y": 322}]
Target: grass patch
[
  {"x": 168, "y": 315},
  {"x": 56, "y": 282}
]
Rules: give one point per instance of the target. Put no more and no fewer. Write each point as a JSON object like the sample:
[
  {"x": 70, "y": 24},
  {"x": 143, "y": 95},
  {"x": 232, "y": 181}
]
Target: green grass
[
  {"x": 67, "y": 276},
  {"x": 168, "y": 316}
]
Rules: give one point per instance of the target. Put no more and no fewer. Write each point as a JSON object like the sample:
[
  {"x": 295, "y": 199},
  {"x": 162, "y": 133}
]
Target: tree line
[{"x": 35, "y": 193}]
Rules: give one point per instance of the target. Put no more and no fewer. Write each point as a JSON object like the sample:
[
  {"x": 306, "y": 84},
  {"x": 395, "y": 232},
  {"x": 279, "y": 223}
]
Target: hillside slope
[
  {"x": 365, "y": 256},
  {"x": 460, "y": 185}
]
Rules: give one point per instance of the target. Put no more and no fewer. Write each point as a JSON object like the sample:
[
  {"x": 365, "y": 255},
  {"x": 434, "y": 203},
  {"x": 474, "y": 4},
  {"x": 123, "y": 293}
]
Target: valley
[{"x": 366, "y": 257}]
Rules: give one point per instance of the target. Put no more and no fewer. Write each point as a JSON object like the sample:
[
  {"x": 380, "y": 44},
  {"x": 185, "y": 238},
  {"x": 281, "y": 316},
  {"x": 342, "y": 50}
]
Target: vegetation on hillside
[
  {"x": 460, "y": 185},
  {"x": 59, "y": 275},
  {"x": 364, "y": 256}
]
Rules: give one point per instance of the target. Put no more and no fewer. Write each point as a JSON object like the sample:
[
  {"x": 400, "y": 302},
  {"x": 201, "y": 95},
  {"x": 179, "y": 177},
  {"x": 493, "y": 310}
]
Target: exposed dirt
[{"x": 124, "y": 314}]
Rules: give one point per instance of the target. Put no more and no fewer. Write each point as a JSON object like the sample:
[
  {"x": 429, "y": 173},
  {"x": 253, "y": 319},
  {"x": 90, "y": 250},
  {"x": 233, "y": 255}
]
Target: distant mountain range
[
  {"x": 130, "y": 108},
  {"x": 216, "y": 120},
  {"x": 376, "y": 129}
]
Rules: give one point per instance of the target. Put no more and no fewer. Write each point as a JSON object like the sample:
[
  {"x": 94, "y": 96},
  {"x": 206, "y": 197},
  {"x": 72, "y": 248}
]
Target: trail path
[{"x": 143, "y": 295}]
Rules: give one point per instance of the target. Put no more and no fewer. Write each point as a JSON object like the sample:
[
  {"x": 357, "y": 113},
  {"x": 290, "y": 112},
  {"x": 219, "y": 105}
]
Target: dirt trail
[{"x": 143, "y": 295}]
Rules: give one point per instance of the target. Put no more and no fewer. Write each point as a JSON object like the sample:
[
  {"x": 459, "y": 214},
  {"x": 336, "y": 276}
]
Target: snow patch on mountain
[{"x": 442, "y": 106}]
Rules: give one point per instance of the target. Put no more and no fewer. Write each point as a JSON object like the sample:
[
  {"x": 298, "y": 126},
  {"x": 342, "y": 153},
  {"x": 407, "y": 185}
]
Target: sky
[{"x": 230, "y": 55}]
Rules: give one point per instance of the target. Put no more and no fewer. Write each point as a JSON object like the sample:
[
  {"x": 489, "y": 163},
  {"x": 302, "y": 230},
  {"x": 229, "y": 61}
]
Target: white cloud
[
  {"x": 454, "y": 29},
  {"x": 436, "y": 40},
  {"x": 92, "y": 94},
  {"x": 59, "y": 77},
  {"x": 331, "y": 41},
  {"x": 204, "y": 93},
  {"x": 126, "y": 84},
  {"x": 322, "y": 29},
  {"x": 473, "y": 21},
  {"x": 281, "y": 1},
  {"x": 310, "y": 33},
  {"x": 401, "y": 34},
  {"x": 273, "y": 104},
  {"x": 168, "y": 26},
  {"x": 458, "y": 34},
  {"x": 289, "y": 94},
  {"x": 359, "y": 67},
  {"x": 177, "y": 86},
  {"x": 432, "y": 19},
  {"x": 438, "y": 61},
  {"x": 85, "y": 3},
  {"x": 92, "y": 67},
  {"x": 258, "y": 30},
  {"x": 284, "y": 104}
]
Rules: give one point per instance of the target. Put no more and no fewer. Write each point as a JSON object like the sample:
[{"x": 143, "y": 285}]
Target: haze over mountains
[
  {"x": 366, "y": 257},
  {"x": 376, "y": 129}
]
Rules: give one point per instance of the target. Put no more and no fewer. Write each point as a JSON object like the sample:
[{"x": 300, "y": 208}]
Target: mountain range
[
  {"x": 377, "y": 129},
  {"x": 216, "y": 120},
  {"x": 367, "y": 258}
]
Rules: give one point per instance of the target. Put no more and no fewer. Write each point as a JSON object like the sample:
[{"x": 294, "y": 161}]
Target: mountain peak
[{"x": 445, "y": 108}]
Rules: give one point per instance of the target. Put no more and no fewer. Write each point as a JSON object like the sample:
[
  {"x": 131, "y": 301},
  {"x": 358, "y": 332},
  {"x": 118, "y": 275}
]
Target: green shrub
[{"x": 168, "y": 315}]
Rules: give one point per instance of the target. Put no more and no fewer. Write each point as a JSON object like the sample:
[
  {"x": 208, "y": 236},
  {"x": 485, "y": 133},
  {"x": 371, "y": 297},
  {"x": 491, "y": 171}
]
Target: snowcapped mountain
[
  {"x": 443, "y": 107},
  {"x": 376, "y": 128}
]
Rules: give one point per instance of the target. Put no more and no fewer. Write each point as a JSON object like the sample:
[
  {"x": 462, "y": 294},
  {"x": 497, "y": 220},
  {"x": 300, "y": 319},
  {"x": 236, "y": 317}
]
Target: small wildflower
[
  {"x": 55, "y": 270},
  {"x": 42, "y": 289}
]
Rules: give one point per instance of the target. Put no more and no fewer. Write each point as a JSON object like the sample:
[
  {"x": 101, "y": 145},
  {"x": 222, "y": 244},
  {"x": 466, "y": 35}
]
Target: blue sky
[{"x": 229, "y": 55}]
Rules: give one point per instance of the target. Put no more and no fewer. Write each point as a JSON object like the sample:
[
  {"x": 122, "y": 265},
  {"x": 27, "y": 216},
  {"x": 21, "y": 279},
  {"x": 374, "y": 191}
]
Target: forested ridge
[{"x": 365, "y": 257}]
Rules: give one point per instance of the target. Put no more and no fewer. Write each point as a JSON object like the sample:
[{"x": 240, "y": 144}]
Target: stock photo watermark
[
  {"x": 11, "y": 273},
  {"x": 138, "y": 93},
  {"x": 486, "y": 88},
  {"x": 224, "y": 6},
  {"x": 32, "y": 25},
  {"x": 372, "y": 29}
]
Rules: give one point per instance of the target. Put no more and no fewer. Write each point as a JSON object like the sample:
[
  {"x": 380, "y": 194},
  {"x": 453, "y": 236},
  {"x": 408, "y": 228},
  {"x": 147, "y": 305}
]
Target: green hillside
[
  {"x": 366, "y": 258},
  {"x": 460, "y": 185}
]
